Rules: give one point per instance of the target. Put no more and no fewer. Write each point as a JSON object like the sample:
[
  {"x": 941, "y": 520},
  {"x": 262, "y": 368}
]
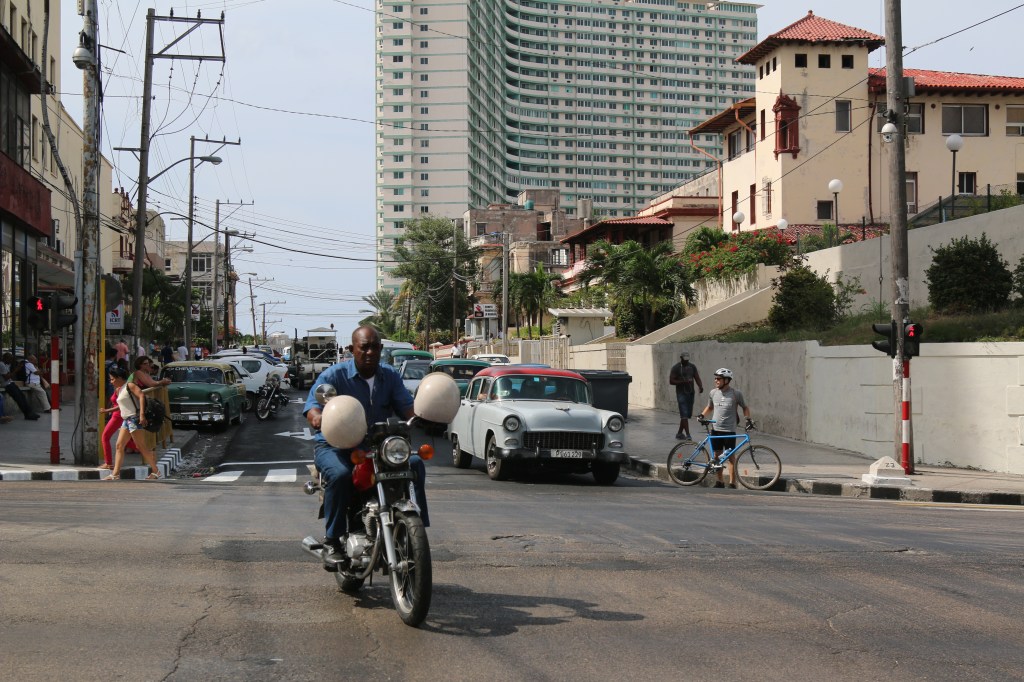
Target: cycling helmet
[{"x": 724, "y": 372}]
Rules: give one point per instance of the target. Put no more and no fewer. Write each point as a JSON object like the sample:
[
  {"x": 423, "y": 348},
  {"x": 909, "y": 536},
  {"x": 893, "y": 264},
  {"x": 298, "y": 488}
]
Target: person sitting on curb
[
  {"x": 37, "y": 385},
  {"x": 4, "y": 418},
  {"x": 12, "y": 389}
]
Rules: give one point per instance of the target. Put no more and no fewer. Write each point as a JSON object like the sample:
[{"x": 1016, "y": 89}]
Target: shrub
[
  {"x": 966, "y": 276},
  {"x": 738, "y": 254},
  {"x": 803, "y": 300}
]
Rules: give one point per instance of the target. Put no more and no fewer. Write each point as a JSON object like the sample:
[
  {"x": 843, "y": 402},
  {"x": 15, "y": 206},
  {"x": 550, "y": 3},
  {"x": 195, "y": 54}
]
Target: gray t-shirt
[
  {"x": 686, "y": 373},
  {"x": 725, "y": 404}
]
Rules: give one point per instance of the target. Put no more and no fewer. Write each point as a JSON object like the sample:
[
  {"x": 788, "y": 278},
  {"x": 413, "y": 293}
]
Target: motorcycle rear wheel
[
  {"x": 412, "y": 580},
  {"x": 263, "y": 409}
]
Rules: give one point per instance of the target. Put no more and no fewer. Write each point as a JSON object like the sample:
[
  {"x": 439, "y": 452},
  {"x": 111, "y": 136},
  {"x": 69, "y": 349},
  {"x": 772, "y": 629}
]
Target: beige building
[
  {"x": 817, "y": 117},
  {"x": 591, "y": 98}
]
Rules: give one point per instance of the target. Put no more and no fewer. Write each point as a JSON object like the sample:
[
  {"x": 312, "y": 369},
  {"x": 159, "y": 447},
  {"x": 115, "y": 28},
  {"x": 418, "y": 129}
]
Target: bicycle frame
[{"x": 718, "y": 461}]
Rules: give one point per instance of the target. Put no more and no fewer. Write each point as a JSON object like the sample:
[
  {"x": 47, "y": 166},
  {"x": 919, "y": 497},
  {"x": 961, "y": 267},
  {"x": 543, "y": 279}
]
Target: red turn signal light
[
  {"x": 358, "y": 457},
  {"x": 426, "y": 452}
]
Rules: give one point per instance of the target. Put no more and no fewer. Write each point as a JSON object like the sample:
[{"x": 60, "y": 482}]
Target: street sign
[
  {"x": 485, "y": 310},
  {"x": 115, "y": 317},
  {"x": 195, "y": 312}
]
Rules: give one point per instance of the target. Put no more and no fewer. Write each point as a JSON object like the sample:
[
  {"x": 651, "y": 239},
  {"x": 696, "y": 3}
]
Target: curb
[
  {"x": 853, "y": 490},
  {"x": 167, "y": 461}
]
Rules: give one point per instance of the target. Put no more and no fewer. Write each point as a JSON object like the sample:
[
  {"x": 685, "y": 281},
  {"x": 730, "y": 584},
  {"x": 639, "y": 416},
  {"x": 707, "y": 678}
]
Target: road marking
[
  {"x": 224, "y": 477},
  {"x": 304, "y": 434},
  {"x": 263, "y": 464},
  {"x": 281, "y": 476}
]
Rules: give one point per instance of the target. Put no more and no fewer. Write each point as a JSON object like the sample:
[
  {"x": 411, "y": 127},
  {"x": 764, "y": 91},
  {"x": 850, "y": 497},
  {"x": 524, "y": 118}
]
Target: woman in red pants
[{"x": 114, "y": 423}]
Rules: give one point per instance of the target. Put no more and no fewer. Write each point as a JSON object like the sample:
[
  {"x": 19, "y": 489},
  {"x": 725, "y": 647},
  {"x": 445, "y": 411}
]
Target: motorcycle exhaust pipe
[
  {"x": 310, "y": 487},
  {"x": 313, "y": 546}
]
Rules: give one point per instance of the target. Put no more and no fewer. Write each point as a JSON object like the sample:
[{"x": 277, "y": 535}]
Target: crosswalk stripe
[
  {"x": 224, "y": 476},
  {"x": 281, "y": 476}
]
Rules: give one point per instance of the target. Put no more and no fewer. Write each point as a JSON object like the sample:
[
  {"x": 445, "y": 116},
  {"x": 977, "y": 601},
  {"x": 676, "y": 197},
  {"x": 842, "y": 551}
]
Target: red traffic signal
[
  {"x": 912, "y": 333},
  {"x": 36, "y": 313}
]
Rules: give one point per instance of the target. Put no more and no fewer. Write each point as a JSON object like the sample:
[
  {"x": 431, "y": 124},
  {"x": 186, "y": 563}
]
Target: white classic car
[{"x": 518, "y": 418}]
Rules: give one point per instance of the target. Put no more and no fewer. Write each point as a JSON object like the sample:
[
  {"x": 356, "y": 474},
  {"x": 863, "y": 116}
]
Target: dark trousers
[
  {"x": 336, "y": 470},
  {"x": 15, "y": 392}
]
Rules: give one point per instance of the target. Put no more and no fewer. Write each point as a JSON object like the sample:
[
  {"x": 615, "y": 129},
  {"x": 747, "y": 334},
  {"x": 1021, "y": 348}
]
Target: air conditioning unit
[{"x": 55, "y": 224}]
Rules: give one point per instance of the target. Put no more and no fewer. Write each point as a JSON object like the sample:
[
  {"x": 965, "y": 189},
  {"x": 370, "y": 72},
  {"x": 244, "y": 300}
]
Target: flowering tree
[{"x": 737, "y": 254}]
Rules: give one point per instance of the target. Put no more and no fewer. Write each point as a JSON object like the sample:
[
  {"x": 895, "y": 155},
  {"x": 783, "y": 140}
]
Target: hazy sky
[{"x": 297, "y": 88}]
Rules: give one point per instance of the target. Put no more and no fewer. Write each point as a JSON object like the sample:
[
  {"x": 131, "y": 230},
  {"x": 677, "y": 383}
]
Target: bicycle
[{"x": 758, "y": 467}]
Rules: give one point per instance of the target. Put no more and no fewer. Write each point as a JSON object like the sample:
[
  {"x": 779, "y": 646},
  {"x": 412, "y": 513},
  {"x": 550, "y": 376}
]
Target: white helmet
[
  {"x": 724, "y": 372},
  {"x": 437, "y": 398},
  {"x": 343, "y": 422}
]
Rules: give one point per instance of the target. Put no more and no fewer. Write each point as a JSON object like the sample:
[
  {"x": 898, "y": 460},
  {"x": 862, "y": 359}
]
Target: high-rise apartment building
[{"x": 478, "y": 100}]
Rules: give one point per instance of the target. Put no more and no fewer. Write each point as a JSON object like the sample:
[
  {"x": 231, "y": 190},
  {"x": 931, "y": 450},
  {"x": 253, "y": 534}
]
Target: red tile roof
[
  {"x": 946, "y": 81},
  {"x": 812, "y": 29},
  {"x": 647, "y": 220},
  {"x": 727, "y": 118}
]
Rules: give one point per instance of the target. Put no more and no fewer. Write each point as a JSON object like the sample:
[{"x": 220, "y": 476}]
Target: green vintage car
[
  {"x": 462, "y": 370},
  {"x": 396, "y": 356},
  {"x": 204, "y": 392}
]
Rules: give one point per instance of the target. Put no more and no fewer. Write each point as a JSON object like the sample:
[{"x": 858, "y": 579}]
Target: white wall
[{"x": 968, "y": 399}]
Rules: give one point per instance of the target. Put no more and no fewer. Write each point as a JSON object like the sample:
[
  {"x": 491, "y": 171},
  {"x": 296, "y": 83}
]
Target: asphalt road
[{"x": 534, "y": 580}]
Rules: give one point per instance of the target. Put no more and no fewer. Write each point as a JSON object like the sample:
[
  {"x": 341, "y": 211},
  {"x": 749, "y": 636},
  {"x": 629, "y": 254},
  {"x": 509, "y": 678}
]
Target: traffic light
[
  {"x": 62, "y": 313},
  {"x": 36, "y": 313},
  {"x": 888, "y": 344},
  {"x": 912, "y": 332}
]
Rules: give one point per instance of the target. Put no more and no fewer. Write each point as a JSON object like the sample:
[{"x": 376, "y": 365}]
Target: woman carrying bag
[{"x": 132, "y": 403}]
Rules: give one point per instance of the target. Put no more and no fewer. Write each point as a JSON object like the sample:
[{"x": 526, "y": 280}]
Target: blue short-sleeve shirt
[{"x": 390, "y": 396}]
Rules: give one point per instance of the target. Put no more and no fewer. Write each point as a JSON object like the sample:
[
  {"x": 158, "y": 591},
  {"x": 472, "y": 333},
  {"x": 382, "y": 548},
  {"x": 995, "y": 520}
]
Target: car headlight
[
  {"x": 396, "y": 450},
  {"x": 615, "y": 424},
  {"x": 511, "y": 423},
  {"x": 215, "y": 397}
]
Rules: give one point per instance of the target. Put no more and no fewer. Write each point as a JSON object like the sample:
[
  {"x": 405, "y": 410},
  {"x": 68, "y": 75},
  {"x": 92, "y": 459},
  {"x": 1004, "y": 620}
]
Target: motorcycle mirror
[{"x": 325, "y": 392}]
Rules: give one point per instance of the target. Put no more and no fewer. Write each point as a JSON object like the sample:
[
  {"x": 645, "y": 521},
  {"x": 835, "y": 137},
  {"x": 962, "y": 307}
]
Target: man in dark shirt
[{"x": 683, "y": 376}]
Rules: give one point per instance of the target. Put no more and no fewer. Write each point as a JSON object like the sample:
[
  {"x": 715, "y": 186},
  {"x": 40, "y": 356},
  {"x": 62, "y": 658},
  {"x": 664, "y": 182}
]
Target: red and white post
[
  {"x": 54, "y": 400},
  {"x": 907, "y": 462}
]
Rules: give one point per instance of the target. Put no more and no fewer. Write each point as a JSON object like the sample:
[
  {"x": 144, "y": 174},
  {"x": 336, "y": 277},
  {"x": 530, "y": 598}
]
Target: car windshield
[
  {"x": 415, "y": 370},
  {"x": 541, "y": 388},
  {"x": 194, "y": 375},
  {"x": 464, "y": 372}
]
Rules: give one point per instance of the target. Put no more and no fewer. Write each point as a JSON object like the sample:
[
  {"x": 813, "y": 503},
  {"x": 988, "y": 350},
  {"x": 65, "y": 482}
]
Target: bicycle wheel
[
  {"x": 757, "y": 467},
  {"x": 688, "y": 466}
]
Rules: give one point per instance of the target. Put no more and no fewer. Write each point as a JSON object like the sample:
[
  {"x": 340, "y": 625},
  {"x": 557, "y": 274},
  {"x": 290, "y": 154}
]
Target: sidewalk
[
  {"x": 25, "y": 451},
  {"x": 822, "y": 470}
]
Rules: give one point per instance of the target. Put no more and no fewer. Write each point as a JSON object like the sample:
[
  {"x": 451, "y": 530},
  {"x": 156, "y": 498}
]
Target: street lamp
[
  {"x": 737, "y": 219},
  {"x": 782, "y": 225},
  {"x": 954, "y": 143},
  {"x": 835, "y": 186}
]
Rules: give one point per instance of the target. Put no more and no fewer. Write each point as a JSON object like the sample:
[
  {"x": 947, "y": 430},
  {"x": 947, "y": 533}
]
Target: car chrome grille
[{"x": 564, "y": 440}]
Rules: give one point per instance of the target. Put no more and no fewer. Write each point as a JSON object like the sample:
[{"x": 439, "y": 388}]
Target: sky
[{"x": 297, "y": 88}]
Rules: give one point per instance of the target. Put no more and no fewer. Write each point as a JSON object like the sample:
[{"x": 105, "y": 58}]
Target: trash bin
[{"x": 611, "y": 389}]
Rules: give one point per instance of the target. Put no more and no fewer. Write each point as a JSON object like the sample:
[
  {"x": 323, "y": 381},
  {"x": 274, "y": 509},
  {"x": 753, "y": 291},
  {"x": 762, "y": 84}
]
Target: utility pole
[
  {"x": 216, "y": 269},
  {"x": 455, "y": 268},
  {"x": 147, "y": 96},
  {"x": 895, "y": 104},
  {"x": 265, "y": 304},
  {"x": 504, "y": 292},
  {"x": 252, "y": 308}
]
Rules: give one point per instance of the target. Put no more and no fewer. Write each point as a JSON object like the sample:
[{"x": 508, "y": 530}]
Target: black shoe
[
  {"x": 334, "y": 555},
  {"x": 32, "y": 417}
]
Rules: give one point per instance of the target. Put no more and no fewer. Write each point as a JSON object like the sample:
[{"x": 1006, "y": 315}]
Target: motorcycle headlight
[
  {"x": 511, "y": 424},
  {"x": 396, "y": 450},
  {"x": 215, "y": 398},
  {"x": 615, "y": 424}
]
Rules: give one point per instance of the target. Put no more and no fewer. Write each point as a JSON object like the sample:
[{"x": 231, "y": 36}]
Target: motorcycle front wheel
[
  {"x": 263, "y": 409},
  {"x": 412, "y": 579}
]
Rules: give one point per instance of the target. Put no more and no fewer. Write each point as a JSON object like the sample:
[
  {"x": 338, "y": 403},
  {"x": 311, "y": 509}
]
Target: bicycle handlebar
[{"x": 706, "y": 423}]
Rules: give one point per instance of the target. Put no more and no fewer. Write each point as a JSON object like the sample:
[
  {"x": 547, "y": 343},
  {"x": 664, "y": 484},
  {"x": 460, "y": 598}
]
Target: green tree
[
  {"x": 803, "y": 300},
  {"x": 967, "y": 276},
  {"x": 646, "y": 285},
  {"x": 163, "y": 305},
  {"x": 426, "y": 255},
  {"x": 536, "y": 291},
  {"x": 385, "y": 312}
]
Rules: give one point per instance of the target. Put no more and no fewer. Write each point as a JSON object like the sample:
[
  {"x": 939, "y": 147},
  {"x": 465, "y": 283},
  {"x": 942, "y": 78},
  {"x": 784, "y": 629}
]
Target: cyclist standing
[{"x": 724, "y": 403}]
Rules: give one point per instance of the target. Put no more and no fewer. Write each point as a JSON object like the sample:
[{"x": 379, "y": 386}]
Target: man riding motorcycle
[{"x": 382, "y": 394}]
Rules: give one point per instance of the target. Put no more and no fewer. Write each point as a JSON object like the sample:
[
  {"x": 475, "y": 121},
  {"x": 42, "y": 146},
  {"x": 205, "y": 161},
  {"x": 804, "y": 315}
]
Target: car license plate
[{"x": 569, "y": 454}]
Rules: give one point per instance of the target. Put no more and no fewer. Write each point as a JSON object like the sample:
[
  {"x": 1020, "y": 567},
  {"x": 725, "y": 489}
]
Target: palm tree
[
  {"x": 537, "y": 290},
  {"x": 384, "y": 304},
  {"x": 648, "y": 285}
]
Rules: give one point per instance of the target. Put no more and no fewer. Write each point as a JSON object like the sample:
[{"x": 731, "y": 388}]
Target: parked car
[
  {"x": 492, "y": 358},
  {"x": 412, "y": 371},
  {"x": 459, "y": 369},
  {"x": 224, "y": 353},
  {"x": 204, "y": 392},
  {"x": 254, "y": 370},
  {"x": 528, "y": 418}
]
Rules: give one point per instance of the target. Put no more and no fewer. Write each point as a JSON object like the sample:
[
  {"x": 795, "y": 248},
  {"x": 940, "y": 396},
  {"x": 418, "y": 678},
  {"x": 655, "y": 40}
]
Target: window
[
  {"x": 398, "y": 175},
  {"x": 424, "y": 143},
  {"x": 1020, "y": 184},
  {"x": 398, "y": 158},
  {"x": 167, "y": 264},
  {"x": 398, "y": 42},
  {"x": 397, "y": 58},
  {"x": 424, "y": 27},
  {"x": 911, "y": 192},
  {"x": 398, "y": 75},
  {"x": 424, "y": 77},
  {"x": 824, "y": 210},
  {"x": 399, "y": 208},
  {"x": 424, "y": 192},
  {"x": 424, "y": 126},
  {"x": 398, "y": 92},
  {"x": 967, "y": 183},
  {"x": 424, "y": 110},
  {"x": 424, "y": 159},
  {"x": 844, "y": 109},
  {"x": 424, "y": 209},
  {"x": 397, "y": 25},
  {"x": 965, "y": 119},
  {"x": 424, "y": 44},
  {"x": 800, "y": 60},
  {"x": 423, "y": 10},
  {"x": 763, "y": 127},
  {"x": 735, "y": 207},
  {"x": 481, "y": 229},
  {"x": 787, "y": 126},
  {"x": 753, "y": 214},
  {"x": 397, "y": 109},
  {"x": 424, "y": 176},
  {"x": 915, "y": 119},
  {"x": 424, "y": 93},
  {"x": 424, "y": 60},
  {"x": 398, "y": 191},
  {"x": 766, "y": 201},
  {"x": 847, "y": 61},
  {"x": 201, "y": 263},
  {"x": 824, "y": 61},
  {"x": 1015, "y": 121}
]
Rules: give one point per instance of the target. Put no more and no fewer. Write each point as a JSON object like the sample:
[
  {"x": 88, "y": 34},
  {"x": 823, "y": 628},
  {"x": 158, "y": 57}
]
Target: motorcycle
[
  {"x": 385, "y": 531},
  {"x": 270, "y": 398}
]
